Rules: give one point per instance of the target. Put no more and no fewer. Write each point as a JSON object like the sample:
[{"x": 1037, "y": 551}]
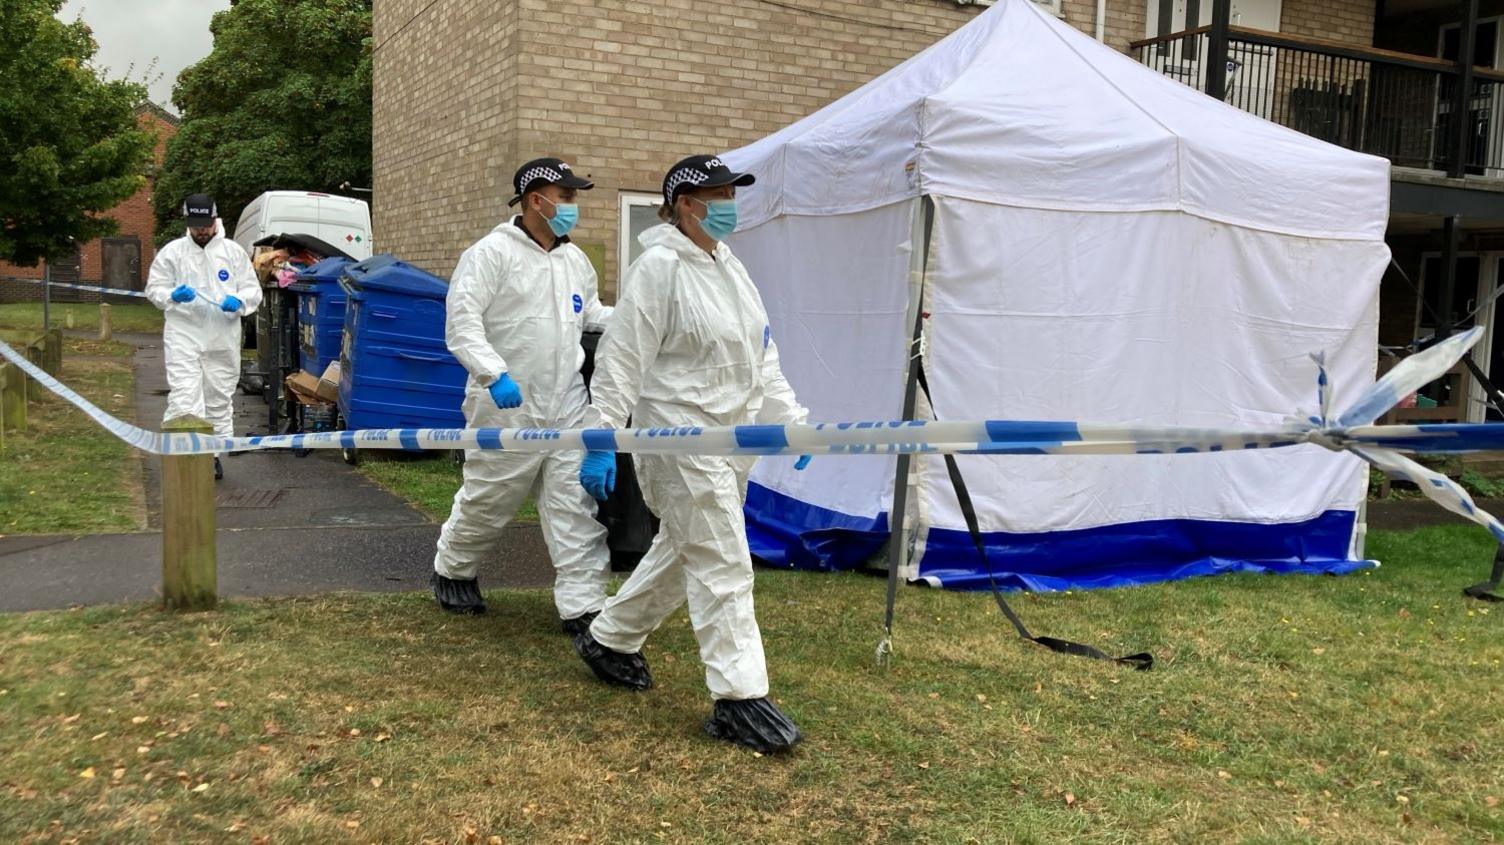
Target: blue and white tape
[
  {"x": 1381, "y": 446},
  {"x": 91, "y": 288}
]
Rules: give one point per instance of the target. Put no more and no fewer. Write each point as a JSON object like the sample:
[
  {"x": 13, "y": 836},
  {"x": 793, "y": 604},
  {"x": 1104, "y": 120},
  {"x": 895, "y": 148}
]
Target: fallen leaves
[
  {"x": 377, "y": 782},
  {"x": 138, "y": 720},
  {"x": 1070, "y": 799}
]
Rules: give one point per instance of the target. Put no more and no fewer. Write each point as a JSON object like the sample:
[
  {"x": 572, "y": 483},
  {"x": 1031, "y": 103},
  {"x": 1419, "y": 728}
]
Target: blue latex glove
[
  {"x": 803, "y": 462},
  {"x": 183, "y": 293},
  {"x": 598, "y": 474},
  {"x": 505, "y": 392},
  {"x": 230, "y": 305}
]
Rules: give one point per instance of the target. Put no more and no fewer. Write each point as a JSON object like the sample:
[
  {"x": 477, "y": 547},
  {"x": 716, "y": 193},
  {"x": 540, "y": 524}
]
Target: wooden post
[
  {"x": 105, "y": 333},
  {"x": 52, "y": 352},
  {"x": 12, "y": 398},
  {"x": 189, "y": 570}
]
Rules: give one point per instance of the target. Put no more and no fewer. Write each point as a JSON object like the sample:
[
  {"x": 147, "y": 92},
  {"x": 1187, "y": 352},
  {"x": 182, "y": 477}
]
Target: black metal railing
[{"x": 1390, "y": 104}]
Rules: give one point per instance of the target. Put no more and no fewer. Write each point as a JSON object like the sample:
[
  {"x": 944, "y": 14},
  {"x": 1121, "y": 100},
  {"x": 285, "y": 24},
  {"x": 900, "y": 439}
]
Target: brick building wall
[
  {"x": 134, "y": 216},
  {"x": 465, "y": 90},
  {"x": 1347, "y": 21},
  {"x": 621, "y": 90},
  {"x": 445, "y": 118}
]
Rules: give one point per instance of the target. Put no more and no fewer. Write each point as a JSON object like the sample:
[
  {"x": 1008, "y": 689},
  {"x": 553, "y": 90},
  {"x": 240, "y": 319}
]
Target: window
[{"x": 639, "y": 212}]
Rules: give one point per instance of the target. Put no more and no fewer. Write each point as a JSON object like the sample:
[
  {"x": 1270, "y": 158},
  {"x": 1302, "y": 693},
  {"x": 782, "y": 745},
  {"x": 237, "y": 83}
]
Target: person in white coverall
[
  {"x": 203, "y": 283},
  {"x": 518, "y": 302},
  {"x": 690, "y": 345}
]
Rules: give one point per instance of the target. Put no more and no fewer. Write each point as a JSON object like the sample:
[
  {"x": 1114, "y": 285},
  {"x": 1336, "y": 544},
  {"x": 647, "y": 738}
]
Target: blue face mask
[
  {"x": 720, "y": 218},
  {"x": 566, "y": 215}
]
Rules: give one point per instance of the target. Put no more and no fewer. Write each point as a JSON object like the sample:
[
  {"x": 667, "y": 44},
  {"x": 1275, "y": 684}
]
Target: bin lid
[
  {"x": 327, "y": 271},
  {"x": 386, "y": 272}
]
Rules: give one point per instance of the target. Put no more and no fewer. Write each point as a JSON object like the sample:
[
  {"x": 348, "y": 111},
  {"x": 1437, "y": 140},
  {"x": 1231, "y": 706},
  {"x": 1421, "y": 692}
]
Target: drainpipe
[{"x": 1102, "y": 21}]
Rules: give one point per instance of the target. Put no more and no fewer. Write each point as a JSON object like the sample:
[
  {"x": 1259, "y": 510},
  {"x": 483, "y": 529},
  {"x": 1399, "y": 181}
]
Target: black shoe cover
[
  {"x": 458, "y": 596},
  {"x": 755, "y": 723},
  {"x": 219, "y": 471},
  {"x": 580, "y": 624},
  {"x": 613, "y": 667}
]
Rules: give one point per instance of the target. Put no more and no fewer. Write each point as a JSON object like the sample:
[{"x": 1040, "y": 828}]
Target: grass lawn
[
  {"x": 428, "y": 482},
  {"x": 131, "y": 317},
  {"x": 1282, "y": 709},
  {"x": 64, "y": 473}
]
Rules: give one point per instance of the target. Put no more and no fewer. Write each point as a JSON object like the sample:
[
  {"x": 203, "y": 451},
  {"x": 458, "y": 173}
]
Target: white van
[{"x": 338, "y": 221}]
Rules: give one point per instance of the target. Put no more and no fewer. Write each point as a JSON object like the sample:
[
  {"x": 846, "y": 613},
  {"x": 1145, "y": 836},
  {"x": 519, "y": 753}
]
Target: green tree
[
  {"x": 70, "y": 148},
  {"x": 283, "y": 102}
]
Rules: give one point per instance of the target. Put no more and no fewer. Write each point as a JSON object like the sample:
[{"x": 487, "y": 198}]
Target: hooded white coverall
[
  {"x": 514, "y": 307},
  {"x": 201, "y": 342},
  {"x": 690, "y": 345}
]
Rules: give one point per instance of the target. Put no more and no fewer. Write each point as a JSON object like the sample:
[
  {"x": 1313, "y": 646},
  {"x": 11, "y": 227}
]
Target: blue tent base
[
  {"x": 958, "y": 579},
  {"x": 785, "y": 532}
]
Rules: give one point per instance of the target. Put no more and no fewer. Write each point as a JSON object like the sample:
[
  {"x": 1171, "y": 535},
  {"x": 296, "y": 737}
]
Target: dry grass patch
[{"x": 1358, "y": 709}]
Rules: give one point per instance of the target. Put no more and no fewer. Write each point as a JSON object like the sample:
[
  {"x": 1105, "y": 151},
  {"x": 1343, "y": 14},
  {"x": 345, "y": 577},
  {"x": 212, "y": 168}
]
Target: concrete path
[{"x": 286, "y": 526}]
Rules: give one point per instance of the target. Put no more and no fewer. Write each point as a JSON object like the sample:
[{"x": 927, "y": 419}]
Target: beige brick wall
[
  {"x": 444, "y": 115},
  {"x": 1348, "y": 21},
  {"x": 470, "y": 88}
]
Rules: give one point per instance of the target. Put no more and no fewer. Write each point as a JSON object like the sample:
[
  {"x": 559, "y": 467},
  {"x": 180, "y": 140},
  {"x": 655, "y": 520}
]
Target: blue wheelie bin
[
  {"x": 395, "y": 370},
  {"x": 321, "y": 313}
]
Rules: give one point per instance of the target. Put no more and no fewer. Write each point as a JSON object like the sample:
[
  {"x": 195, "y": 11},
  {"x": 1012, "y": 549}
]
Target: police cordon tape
[
  {"x": 1380, "y": 446},
  {"x": 92, "y": 288}
]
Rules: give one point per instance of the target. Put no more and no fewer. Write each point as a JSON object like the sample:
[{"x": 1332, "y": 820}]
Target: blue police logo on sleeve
[
  {"x": 224, "y": 275},
  {"x": 767, "y": 336},
  {"x": 579, "y": 303}
]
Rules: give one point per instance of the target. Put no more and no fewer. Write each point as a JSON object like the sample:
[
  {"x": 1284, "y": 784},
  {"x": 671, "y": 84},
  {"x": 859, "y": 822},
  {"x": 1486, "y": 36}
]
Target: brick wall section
[
  {"x": 1348, "y": 21},
  {"x": 445, "y": 119},
  {"x": 633, "y": 87},
  {"x": 468, "y": 89},
  {"x": 1126, "y": 20},
  {"x": 134, "y": 216}
]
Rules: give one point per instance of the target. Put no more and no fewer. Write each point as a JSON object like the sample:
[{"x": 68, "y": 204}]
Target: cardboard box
[
  {"x": 304, "y": 387},
  {"x": 328, "y": 389}
]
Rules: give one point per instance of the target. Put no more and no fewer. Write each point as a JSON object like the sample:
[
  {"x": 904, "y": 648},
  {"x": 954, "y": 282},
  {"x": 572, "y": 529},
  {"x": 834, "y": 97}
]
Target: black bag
[{"x": 630, "y": 526}]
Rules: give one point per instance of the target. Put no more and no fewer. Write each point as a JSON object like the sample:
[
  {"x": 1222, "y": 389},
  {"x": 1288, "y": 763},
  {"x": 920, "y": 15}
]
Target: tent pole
[{"x": 898, "y": 541}]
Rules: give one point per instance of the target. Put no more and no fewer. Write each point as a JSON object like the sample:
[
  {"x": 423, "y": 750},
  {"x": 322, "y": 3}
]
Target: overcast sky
[{"x": 174, "y": 32}]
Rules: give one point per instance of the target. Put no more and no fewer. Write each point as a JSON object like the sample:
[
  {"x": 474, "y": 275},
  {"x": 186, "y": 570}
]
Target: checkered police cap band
[
  {"x": 548, "y": 172},
  {"x": 682, "y": 176}
]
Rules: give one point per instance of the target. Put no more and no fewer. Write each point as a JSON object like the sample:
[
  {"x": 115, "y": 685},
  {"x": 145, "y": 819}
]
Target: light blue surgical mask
[
  {"x": 566, "y": 215},
  {"x": 720, "y": 218}
]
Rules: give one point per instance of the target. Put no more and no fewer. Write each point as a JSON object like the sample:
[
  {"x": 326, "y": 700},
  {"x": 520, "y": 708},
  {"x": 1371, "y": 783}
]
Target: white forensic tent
[{"x": 1107, "y": 245}]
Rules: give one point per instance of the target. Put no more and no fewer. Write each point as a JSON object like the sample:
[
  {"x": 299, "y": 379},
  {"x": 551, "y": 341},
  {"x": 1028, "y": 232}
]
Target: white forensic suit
[
  {"x": 514, "y": 307},
  {"x": 690, "y": 345},
  {"x": 201, "y": 342}
]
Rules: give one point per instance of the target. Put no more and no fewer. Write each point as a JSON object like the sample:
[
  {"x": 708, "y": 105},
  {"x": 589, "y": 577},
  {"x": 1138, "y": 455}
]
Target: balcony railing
[{"x": 1391, "y": 104}]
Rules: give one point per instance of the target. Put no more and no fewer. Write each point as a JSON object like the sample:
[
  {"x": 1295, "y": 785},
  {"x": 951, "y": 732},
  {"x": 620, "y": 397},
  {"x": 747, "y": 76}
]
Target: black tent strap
[
  {"x": 1483, "y": 590},
  {"x": 1142, "y": 661}
]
